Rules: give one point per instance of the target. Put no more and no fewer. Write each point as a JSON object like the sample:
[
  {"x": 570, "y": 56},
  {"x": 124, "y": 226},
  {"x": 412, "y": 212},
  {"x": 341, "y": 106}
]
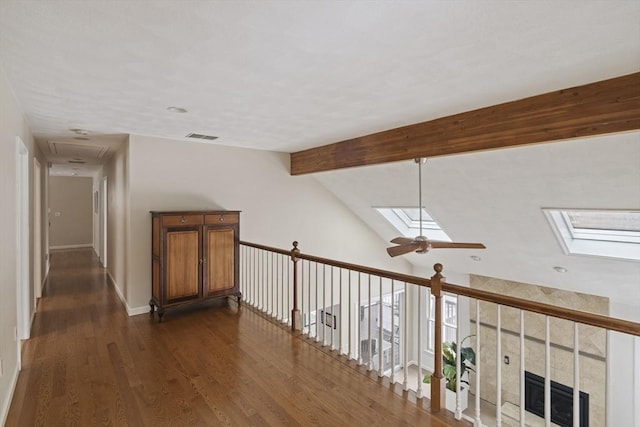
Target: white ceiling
[{"x": 290, "y": 75}]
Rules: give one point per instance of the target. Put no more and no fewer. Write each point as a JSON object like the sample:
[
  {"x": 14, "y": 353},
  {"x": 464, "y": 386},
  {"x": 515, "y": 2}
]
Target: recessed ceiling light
[
  {"x": 560, "y": 269},
  {"x": 177, "y": 109},
  {"x": 475, "y": 258}
]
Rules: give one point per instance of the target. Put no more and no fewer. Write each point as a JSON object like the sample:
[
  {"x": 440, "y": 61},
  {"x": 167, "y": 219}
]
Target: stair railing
[{"x": 379, "y": 318}]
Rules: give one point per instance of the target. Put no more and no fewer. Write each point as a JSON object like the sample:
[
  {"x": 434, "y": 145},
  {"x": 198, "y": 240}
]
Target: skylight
[
  {"x": 606, "y": 233},
  {"x": 407, "y": 222}
]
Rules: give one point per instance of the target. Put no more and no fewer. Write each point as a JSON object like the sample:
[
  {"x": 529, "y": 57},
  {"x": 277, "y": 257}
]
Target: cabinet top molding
[
  {"x": 604, "y": 107},
  {"x": 192, "y": 212}
]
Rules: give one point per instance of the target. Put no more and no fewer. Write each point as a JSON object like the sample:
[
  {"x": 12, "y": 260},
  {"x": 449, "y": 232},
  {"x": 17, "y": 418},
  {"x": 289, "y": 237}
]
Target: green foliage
[{"x": 449, "y": 369}]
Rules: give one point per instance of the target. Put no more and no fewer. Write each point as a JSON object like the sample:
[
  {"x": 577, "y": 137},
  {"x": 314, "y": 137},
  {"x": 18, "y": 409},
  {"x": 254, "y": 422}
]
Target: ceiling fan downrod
[{"x": 420, "y": 161}]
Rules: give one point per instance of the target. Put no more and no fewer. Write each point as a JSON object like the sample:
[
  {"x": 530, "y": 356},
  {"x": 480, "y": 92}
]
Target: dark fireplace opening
[{"x": 561, "y": 401}]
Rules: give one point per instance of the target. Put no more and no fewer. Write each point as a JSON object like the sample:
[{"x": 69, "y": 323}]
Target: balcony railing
[{"x": 393, "y": 324}]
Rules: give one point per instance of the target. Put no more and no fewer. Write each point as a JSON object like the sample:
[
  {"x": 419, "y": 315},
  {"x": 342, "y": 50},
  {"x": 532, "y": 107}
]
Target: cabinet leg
[
  {"x": 160, "y": 315},
  {"x": 239, "y": 298},
  {"x": 152, "y": 307}
]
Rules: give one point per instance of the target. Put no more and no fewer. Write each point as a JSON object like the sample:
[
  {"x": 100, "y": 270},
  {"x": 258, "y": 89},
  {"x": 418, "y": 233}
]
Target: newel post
[
  {"x": 437, "y": 378},
  {"x": 296, "y": 319}
]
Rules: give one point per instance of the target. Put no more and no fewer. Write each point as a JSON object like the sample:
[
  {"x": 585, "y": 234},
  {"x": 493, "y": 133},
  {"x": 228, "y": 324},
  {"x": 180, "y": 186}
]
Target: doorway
[
  {"x": 103, "y": 223},
  {"x": 22, "y": 243},
  {"x": 37, "y": 233}
]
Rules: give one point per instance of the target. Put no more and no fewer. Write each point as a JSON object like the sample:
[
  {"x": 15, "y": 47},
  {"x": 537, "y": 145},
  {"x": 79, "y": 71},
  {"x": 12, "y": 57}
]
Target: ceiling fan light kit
[{"x": 421, "y": 244}]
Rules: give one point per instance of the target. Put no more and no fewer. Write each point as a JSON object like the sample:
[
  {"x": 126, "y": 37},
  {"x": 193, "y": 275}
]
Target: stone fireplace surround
[{"x": 592, "y": 344}]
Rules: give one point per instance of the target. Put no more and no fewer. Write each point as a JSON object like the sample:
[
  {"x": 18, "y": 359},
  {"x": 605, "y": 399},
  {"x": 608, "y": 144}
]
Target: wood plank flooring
[{"x": 89, "y": 364}]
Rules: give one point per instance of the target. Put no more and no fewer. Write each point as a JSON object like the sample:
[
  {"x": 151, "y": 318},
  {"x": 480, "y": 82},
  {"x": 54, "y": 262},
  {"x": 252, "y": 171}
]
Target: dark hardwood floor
[{"x": 88, "y": 364}]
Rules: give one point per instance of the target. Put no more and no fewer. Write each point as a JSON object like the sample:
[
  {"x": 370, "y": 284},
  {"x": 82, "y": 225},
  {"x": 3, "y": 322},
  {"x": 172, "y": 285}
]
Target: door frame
[
  {"x": 37, "y": 232},
  {"x": 103, "y": 222}
]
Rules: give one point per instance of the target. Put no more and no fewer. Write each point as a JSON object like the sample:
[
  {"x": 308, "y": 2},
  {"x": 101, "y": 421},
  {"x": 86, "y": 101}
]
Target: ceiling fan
[{"x": 421, "y": 244}]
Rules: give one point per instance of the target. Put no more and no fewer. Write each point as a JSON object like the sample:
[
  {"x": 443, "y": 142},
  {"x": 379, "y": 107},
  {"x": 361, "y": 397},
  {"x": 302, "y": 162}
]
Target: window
[
  {"x": 606, "y": 233},
  {"x": 449, "y": 319},
  {"x": 407, "y": 222}
]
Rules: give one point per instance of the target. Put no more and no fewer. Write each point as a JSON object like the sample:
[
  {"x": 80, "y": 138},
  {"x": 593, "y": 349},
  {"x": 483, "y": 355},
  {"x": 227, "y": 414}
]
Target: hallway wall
[
  {"x": 12, "y": 124},
  {"x": 117, "y": 173},
  {"x": 71, "y": 203},
  {"x": 276, "y": 207}
]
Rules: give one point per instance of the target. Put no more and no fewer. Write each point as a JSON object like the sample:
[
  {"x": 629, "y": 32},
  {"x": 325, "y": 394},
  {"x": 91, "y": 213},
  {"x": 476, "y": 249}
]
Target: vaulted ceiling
[{"x": 289, "y": 75}]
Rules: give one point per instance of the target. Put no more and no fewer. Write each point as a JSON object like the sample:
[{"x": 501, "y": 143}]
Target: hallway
[{"x": 88, "y": 363}]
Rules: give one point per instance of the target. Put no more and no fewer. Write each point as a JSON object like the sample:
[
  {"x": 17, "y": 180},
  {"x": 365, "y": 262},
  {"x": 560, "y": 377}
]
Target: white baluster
[
  {"x": 281, "y": 287},
  {"x": 350, "y": 352},
  {"x": 522, "y": 369},
  {"x": 274, "y": 286},
  {"x": 419, "y": 392},
  {"x": 324, "y": 305},
  {"x": 547, "y": 374},
  {"x": 317, "y": 304},
  {"x": 498, "y": 369},
  {"x": 253, "y": 277},
  {"x": 263, "y": 300},
  {"x": 380, "y": 337},
  {"x": 359, "y": 316},
  {"x": 339, "y": 315},
  {"x": 576, "y": 376},
  {"x": 369, "y": 337},
  {"x": 478, "y": 421},
  {"x": 289, "y": 267},
  {"x": 458, "y": 411},
  {"x": 393, "y": 334},
  {"x": 331, "y": 313},
  {"x": 302, "y": 294},
  {"x": 405, "y": 362}
]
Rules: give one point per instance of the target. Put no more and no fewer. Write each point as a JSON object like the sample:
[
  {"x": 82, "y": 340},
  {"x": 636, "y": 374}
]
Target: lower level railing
[{"x": 394, "y": 324}]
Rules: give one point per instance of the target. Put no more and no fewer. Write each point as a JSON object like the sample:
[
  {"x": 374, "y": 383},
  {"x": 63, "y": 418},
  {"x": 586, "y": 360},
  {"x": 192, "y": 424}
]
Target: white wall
[
  {"x": 276, "y": 207},
  {"x": 12, "y": 124},
  {"x": 623, "y": 371},
  {"x": 71, "y": 204},
  {"x": 117, "y": 173}
]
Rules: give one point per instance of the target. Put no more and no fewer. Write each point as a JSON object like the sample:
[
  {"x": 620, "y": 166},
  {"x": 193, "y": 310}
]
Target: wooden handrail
[
  {"x": 598, "y": 320},
  {"x": 420, "y": 281},
  {"x": 266, "y": 248},
  {"x": 592, "y": 319}
]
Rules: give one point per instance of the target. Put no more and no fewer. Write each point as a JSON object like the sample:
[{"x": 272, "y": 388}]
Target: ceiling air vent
[
  {"x": 79, "y": 162},
  {"x": 200, "y": 136}
]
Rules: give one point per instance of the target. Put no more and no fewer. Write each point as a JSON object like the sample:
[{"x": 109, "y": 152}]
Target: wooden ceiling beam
[{"x": 607, "y": 106}]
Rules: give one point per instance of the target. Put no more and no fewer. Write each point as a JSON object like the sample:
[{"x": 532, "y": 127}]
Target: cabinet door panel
[
  {"x": 220, "y": 259},
  {"x": 182, "y": 261}
]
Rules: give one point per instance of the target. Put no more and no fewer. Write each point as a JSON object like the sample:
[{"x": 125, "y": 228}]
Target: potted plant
[{"x": 449, "y": 370}]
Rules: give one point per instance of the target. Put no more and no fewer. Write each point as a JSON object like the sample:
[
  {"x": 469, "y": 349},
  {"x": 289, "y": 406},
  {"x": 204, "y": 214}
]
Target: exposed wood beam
[{"x": 604, "y": 107}]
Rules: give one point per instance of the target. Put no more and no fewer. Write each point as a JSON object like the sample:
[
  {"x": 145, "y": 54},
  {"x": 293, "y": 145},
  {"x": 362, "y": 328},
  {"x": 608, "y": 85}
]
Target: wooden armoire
[{"x": 194, "y": 257}]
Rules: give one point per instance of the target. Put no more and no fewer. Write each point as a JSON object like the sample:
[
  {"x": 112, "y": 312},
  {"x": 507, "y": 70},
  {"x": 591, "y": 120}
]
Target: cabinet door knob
[
  {"x": 183, "y": 220},
  {"x": 221, "y": 217}
]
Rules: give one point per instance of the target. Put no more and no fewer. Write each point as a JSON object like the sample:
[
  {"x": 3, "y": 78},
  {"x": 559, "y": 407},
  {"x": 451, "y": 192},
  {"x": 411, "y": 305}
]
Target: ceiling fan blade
[
  {"x": 454, "y": 245},
  {"x": 402, "y": 240},
  {"x": 403, "y": 249}
]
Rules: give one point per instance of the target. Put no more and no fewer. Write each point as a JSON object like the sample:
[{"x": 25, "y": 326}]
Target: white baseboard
[
  {"x": 7, "y": 401},
  {"x": 88, "y": 245},
  {"x": 135, "y": 311},
  {"x": 130, "y": 311}
]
